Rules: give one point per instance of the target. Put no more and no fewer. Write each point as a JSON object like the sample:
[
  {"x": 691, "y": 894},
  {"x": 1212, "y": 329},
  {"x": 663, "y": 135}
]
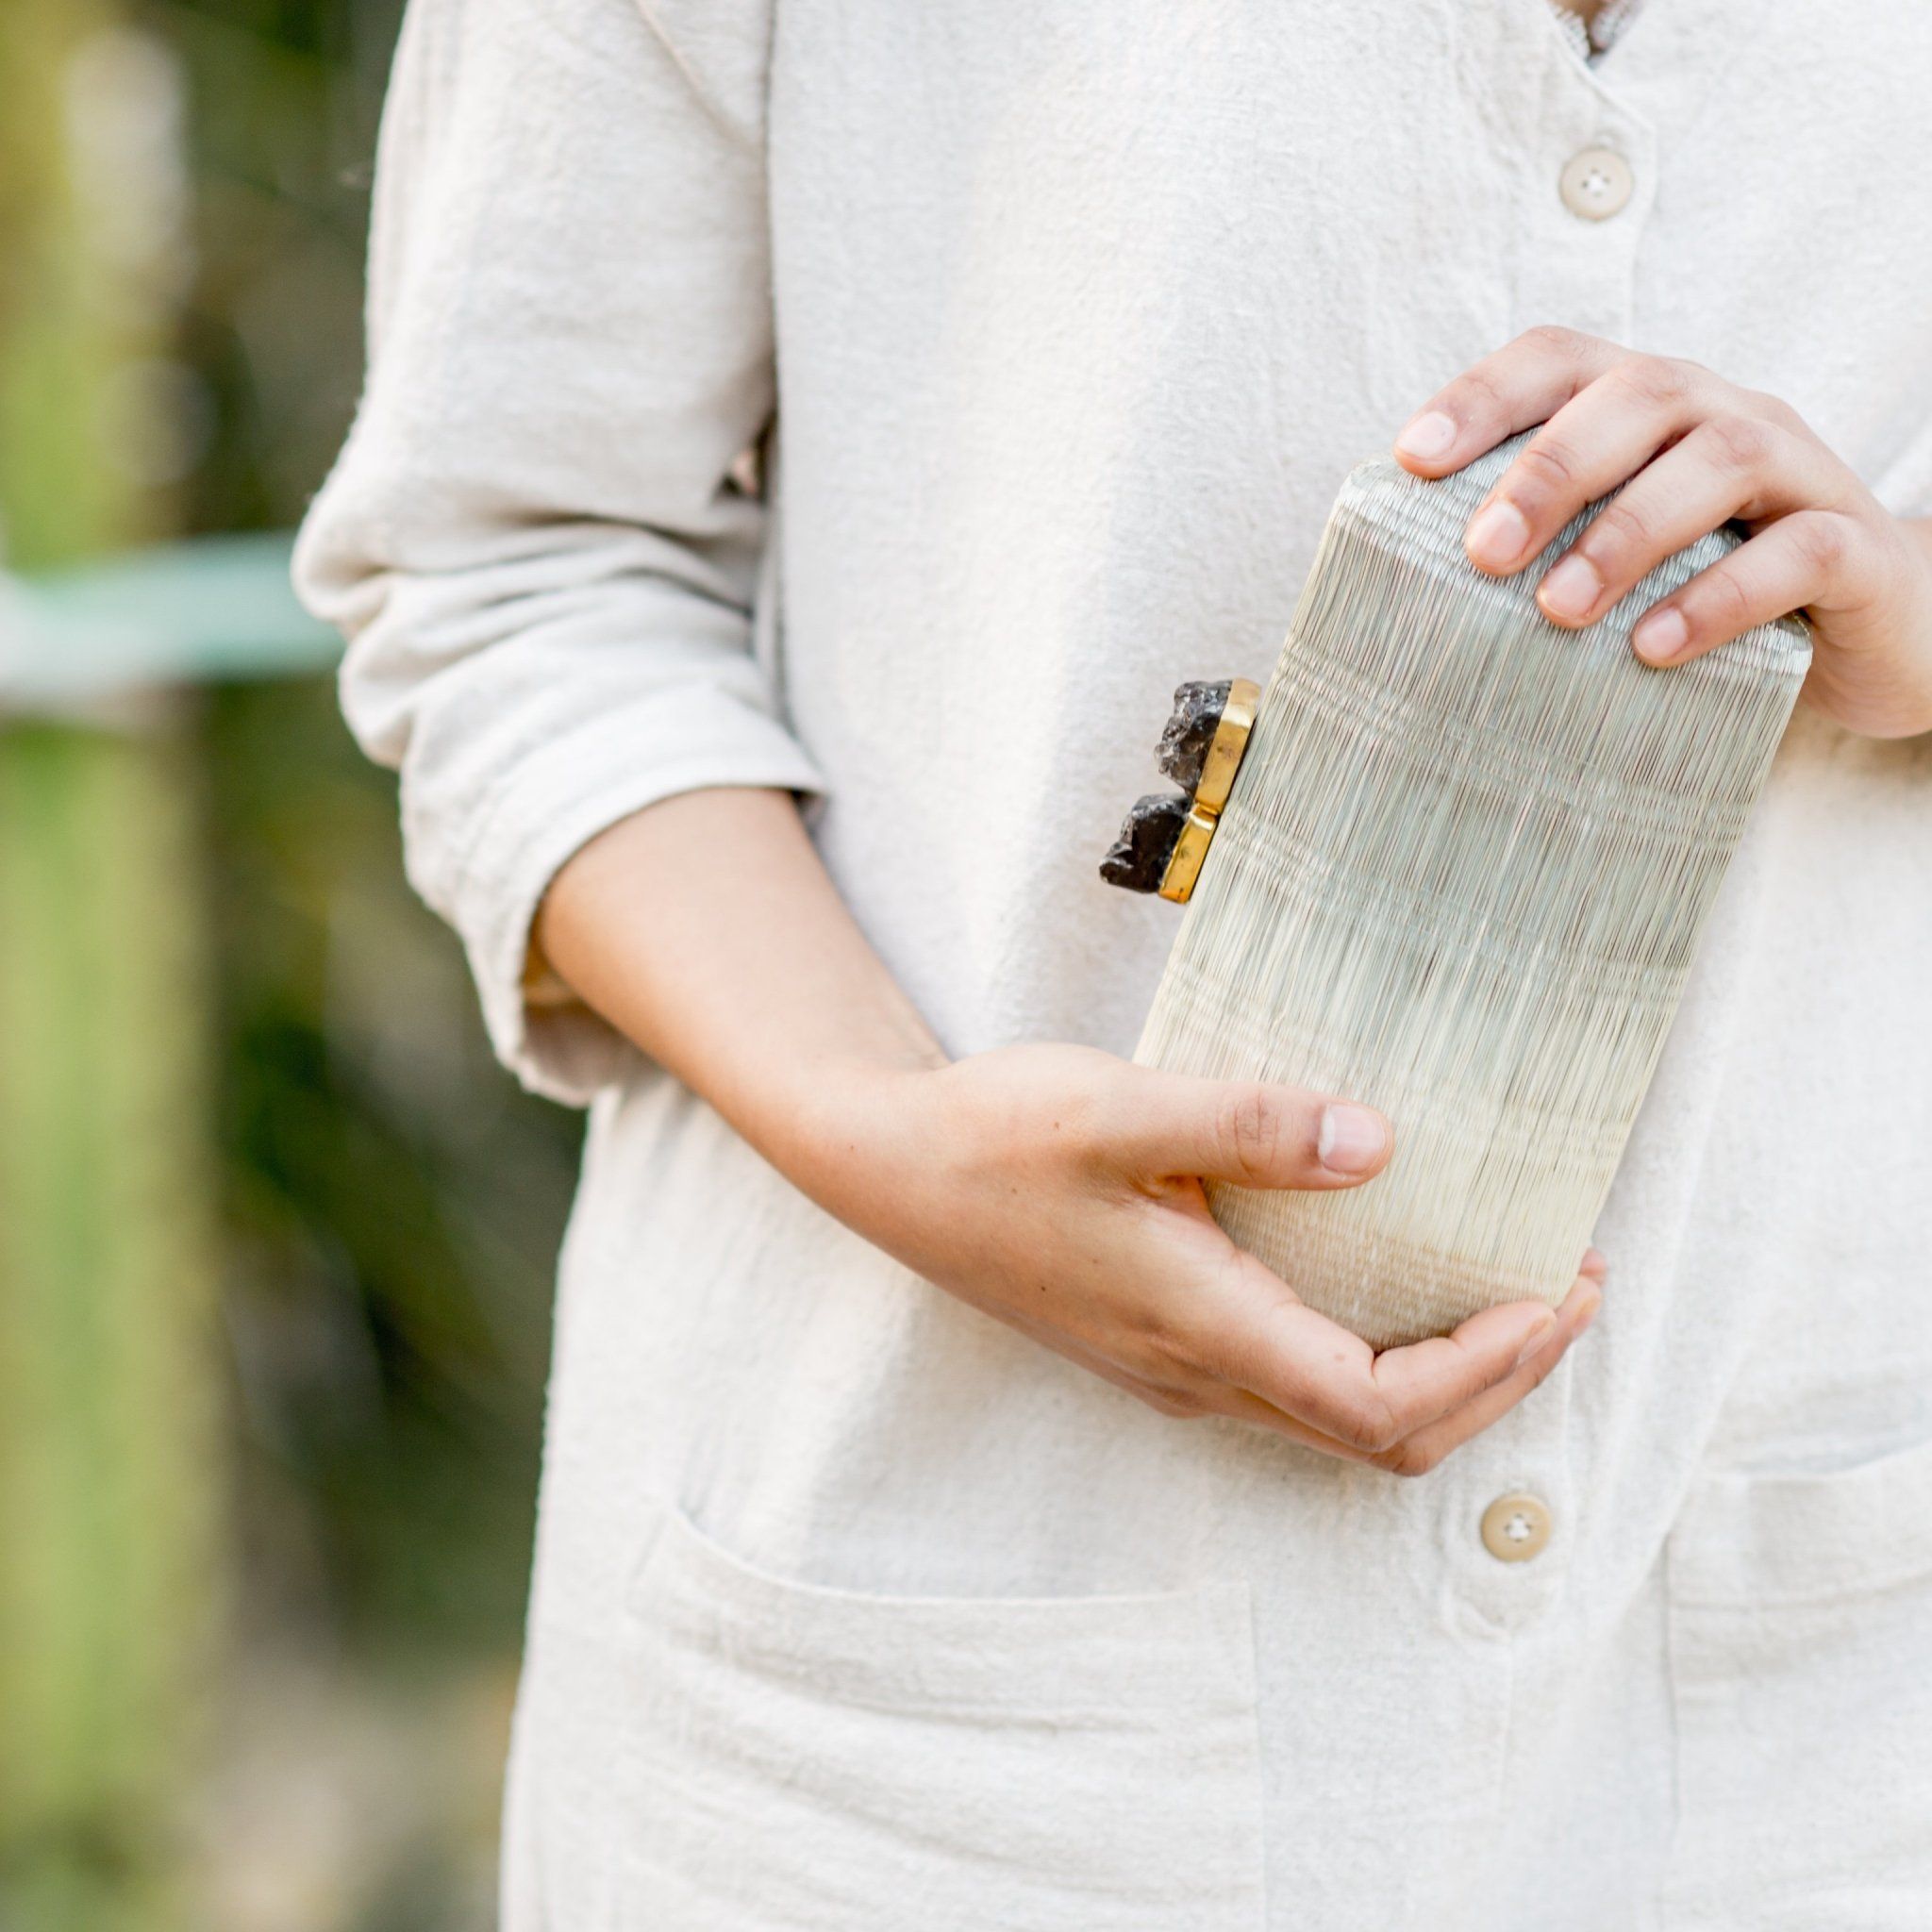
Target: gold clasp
[{"x": 1218, "y": 771}]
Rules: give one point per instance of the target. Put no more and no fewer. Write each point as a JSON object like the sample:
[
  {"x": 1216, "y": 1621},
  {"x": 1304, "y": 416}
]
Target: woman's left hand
[{"x": 1694, "y": 452}]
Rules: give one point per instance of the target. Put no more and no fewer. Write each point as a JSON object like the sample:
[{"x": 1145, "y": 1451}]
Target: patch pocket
[
  {"x": 800, "y": 1757},
  {"x": 1801, "y": 1658}
]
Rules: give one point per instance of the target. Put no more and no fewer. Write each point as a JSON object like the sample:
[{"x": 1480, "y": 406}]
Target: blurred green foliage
[
  {"x": 283, "y": 103},
  {"x": 388, "y": 1204},
  {"x": 393, "y": 1204}
]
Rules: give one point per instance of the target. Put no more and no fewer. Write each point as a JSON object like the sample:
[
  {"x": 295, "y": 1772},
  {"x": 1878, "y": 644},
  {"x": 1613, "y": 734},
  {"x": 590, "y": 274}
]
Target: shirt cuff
[{"x": 557, "y": 798}]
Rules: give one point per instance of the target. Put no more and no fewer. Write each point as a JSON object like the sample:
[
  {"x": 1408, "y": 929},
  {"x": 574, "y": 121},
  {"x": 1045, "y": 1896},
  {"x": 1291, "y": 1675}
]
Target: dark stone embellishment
[
  {"x": 1139, "y": 857},
  {"x": 1183, "y": 751}
]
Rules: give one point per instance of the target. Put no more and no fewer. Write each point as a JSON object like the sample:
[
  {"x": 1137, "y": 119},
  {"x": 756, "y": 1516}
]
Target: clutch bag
[{"x": 1453, "y": 861}]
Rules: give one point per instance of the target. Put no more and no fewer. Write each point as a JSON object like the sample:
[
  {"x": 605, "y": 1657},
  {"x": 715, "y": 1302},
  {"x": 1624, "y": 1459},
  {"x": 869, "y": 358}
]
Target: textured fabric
[{"x": 1077, "y": 315}]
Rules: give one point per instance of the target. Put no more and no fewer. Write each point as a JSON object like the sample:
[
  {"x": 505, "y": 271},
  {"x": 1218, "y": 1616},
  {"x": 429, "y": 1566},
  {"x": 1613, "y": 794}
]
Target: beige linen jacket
[{"x": 852, "y": 1608}]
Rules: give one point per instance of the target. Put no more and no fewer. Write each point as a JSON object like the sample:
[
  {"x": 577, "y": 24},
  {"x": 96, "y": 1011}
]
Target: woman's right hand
[{"x": 1059, "y": 1189}]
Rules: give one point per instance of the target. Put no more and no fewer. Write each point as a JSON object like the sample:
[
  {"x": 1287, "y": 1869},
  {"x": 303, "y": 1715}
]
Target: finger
[
  {"x": 1250, "y": 1132},
  {"x": 1316, "y": 1371},
  {"x": 1421, "y": 1451},
  {"x": 1183, "y": 1398},
  {"x": 1731, "y": 467},
  {"x": 1811, "y": 557},
  {"x": 1525, "y": 383},
  {"x": 1430, "y": 1380},
  {"x": 1599, "y": 438},
  {"x": 1170, "y": 1400},
  {"x": 1426, "y": 1447},
  {"x": 1244, "y": 1405}
]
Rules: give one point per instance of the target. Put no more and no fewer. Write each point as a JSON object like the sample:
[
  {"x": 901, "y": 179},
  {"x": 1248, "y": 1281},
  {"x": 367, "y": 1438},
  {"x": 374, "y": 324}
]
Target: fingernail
[
  {"x": 1572, "y": 589},
  {"x": 1660, "y": 635},
  {"x": 1350, "y": 1141},
  {"x": 1538, "y": 1336},
  {"x": 1497, "y": 536},
  {"x": 1590, "y": 1315},
  {"x": 1431, "y": 435}
]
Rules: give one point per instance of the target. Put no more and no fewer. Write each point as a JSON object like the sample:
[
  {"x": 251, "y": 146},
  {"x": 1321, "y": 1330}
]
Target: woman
[{"x": 767, "y": 804}]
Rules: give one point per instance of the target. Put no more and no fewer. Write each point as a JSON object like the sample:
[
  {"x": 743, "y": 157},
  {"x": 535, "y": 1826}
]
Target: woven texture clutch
[{"x": 1460, "y": 875}]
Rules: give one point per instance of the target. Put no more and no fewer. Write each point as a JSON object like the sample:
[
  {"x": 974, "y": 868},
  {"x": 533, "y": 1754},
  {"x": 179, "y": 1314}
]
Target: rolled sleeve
[
  {"x": 534, "y": 541},
  {"x": 557, "y": 798}
]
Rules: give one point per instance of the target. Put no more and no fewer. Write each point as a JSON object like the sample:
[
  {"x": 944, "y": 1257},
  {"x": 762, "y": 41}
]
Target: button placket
[
  {"x": 1589, "y": 183},
  {"x": 1504, "y": 1518}
]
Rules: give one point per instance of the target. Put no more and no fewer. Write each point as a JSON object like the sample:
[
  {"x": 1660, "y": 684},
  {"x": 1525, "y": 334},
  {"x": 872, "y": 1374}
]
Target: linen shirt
[{"x": 851, "y": 1607}]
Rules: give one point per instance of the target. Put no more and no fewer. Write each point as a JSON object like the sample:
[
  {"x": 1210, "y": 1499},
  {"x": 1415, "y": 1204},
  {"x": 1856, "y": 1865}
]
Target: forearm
[{"x": 707, "y": 930}]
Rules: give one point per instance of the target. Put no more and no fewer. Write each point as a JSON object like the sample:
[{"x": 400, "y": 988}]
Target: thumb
[{"x": 1250, "y": 1132}]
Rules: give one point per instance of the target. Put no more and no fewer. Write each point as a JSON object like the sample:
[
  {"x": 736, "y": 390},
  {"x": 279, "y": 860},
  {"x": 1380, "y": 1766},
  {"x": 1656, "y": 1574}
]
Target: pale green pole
[{"x": 110, "y": 1504}]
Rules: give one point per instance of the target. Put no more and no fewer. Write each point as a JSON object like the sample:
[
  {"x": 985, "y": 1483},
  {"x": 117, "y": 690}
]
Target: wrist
[
  {"x": 853, "y": 1130},
  {"x": 1873, "y": 669}
]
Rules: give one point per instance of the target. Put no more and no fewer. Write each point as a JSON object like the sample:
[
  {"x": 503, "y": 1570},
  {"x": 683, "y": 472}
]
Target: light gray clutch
[{"x": 1457, "y": 870}]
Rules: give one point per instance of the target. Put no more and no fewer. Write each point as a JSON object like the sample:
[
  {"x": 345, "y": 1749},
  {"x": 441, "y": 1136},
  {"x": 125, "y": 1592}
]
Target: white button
[
  {"x": 1596, "y": 183},
  {"x": 1516, "y": 1526}
]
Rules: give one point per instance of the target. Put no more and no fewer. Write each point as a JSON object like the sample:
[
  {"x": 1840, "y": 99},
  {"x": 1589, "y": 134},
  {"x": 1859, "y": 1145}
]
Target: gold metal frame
[{"x": 1218, "y": 771}]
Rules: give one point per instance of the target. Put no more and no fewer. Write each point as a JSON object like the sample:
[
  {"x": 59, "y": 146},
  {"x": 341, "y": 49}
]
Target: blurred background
[{"x": 275, "y": 1236}]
